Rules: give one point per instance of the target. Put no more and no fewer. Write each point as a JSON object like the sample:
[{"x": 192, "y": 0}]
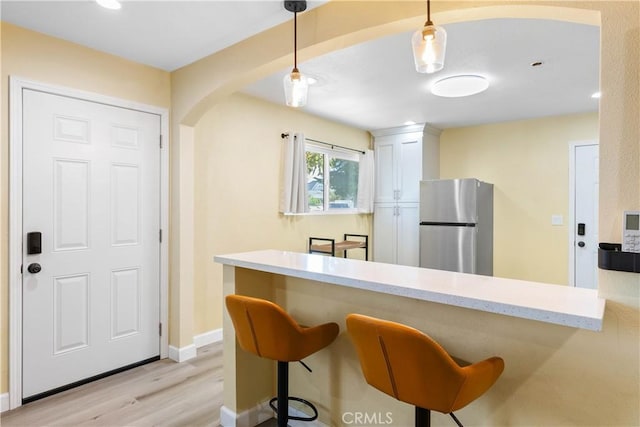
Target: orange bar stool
[
  {"x": 266, "y": 330},
  {"x": 408, "y": 365}
]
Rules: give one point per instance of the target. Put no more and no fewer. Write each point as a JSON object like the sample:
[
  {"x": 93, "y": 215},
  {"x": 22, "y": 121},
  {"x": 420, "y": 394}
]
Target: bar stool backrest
[
  {"x": 266, "y": 330},
  {"x": 410, "y": 366},
  {"x": 263, "y": 328}
]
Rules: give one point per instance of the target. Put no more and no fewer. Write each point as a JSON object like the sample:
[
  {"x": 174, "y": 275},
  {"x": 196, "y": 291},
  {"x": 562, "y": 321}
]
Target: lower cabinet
[{"x": 396, "y": 233}]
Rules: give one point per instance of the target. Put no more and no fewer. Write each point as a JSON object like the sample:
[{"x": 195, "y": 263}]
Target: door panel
[
  {"x": 125, "y": 198},
  {"x": 448, "y": 248},
  {"x": 91, "y": 185},
  {"x": 586, "y": 212},
  {"x": 385, "y": 176},
  {"x": 384, "y": 233},
  {"x": 70, "y": 204},
  {"x": 408, "y": 230},
  {"x": 71, "y": 313},
  {"x": 125, "y": 294},
  {"x": 410, "y": 170}
]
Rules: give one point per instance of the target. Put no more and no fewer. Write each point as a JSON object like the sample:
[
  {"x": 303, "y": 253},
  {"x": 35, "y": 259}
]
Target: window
[{"x": 332, "y": 179}]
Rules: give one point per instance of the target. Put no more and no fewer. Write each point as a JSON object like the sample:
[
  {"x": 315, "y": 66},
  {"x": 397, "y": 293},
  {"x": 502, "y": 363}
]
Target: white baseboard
[
  {"x": 207, "y": 338},
  {"x": 259, "y": 414},
  {"x": 4, "y": 402},
  {"x": 183, "y": 354},
  {"x": 249, "y": 418}
]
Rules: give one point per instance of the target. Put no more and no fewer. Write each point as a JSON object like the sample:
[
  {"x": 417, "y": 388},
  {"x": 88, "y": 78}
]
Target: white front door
[
  {"x": 585, "y": 226},
  {"x": 91, "y": 187}
]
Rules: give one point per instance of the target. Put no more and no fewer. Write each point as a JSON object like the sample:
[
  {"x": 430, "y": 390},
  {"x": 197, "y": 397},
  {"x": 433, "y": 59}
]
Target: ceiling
[
  {"x": 375, "y": 86},
  {"x": 163, "y": 34},
  {"x": 368, "y": 86}
]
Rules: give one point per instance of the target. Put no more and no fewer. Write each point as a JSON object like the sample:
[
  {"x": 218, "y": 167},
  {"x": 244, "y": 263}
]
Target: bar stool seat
[
  {"x": 410, "y": 366},
  {"x": 266, "y": 330}
]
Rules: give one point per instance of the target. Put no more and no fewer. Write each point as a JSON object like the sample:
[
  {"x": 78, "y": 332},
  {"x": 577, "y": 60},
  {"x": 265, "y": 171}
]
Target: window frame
[{"x": 326, "y": 184}]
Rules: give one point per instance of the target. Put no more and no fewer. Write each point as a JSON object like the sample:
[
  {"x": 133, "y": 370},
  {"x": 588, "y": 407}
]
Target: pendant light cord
[
  {"x": 295, "y": 41},
  {"x": 428, "y": 14}
]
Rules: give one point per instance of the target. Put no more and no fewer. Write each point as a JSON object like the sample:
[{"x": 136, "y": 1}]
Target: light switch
[{"x": 556, "y": 220}]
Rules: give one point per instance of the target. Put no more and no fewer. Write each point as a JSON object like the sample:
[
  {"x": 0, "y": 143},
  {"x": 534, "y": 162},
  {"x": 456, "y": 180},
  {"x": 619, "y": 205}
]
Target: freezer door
[
  {"x": 449, "y": 248},
  {"x": 449, "y": 200}
]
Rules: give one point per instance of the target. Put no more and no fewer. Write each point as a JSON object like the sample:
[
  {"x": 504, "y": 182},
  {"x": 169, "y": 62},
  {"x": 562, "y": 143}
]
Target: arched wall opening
[{"x": 198, "y": 89}]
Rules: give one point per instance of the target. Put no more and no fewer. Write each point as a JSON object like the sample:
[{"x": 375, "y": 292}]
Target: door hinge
[
  {"x": 160, "y": 141},
  {"x": 160, "y": 235},
  {"x": 160, "y": 329}
]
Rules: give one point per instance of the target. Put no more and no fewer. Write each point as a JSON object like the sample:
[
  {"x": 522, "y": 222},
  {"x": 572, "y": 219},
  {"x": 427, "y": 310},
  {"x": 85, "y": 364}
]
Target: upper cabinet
[{"x": 398, "y": 167}]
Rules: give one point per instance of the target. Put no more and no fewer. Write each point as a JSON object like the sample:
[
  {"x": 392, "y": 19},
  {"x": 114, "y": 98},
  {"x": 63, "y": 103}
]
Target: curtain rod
[{"x": 284, "y": 135}]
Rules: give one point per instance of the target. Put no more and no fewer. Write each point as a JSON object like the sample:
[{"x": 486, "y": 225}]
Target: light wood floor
[{"x": 163, "y": 393}]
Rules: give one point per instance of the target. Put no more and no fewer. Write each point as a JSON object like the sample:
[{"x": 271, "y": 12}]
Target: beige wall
[
  {"x": 45, "y": 59},
  {"x": 237, "y": 175},
  {"x": 528, "y": 163}
]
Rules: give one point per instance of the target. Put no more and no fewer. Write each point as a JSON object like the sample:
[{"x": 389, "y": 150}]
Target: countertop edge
[{"x": 521, "y": 311}]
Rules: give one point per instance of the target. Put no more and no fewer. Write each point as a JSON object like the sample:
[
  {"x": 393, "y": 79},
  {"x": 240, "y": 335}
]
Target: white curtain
[
  {"x": 293, "y": 195},
  {"x": 365, "y": 182}
]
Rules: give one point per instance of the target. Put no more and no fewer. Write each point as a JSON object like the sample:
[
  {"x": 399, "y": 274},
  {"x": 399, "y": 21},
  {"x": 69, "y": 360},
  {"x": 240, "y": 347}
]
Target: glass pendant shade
[
  {"x": 429, "y": 45},
  {"x": 296, "y": 88}
]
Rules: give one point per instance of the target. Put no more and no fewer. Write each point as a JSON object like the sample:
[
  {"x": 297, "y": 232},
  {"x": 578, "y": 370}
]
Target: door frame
[
  {"x": 16, "y": 86},
  {"x": 572, "y": 204}
]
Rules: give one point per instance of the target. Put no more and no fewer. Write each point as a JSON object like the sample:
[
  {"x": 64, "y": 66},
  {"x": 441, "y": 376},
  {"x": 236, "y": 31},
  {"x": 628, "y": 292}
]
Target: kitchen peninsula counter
[
  {"x": 560, "y": 354},
  {"x": 562, "y": 305}
]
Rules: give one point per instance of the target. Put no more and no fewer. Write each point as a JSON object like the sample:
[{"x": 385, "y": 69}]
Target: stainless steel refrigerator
[{"x": 456, "y": 225}]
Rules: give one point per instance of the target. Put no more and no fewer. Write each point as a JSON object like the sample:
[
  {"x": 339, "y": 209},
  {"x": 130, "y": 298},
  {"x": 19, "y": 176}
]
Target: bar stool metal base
[
  {"x": 283, "y": 398},
  {"x": 423, "y": 418}
]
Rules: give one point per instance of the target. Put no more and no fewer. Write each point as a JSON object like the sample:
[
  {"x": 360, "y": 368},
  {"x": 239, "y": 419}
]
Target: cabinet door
[
  {"x": 384, "y": 232},
  {"x": 385, "y": 180},
  {"x": 408, "y": 235},
  {"x": 409, "y": 168}
]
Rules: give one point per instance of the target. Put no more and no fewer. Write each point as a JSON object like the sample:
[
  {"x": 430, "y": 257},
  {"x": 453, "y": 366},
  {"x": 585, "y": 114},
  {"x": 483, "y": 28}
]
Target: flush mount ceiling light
[
  {"x": 429, "y": 44},
  {"x": 296, "y": 85},
  {"x": 459, "y": 86},
  {"x": 109, "y": 4}
]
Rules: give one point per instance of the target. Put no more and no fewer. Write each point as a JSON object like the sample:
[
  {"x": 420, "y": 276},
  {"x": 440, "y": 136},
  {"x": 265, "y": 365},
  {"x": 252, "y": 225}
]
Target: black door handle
[
  {"x": 34, "y": 268},
  {"x": 581, "y": 244}
]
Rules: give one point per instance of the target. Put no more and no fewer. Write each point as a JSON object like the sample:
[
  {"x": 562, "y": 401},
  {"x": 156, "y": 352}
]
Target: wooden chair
[{"x": 330, "y": 247}]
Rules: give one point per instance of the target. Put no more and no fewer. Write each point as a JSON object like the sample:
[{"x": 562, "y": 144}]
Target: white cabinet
[
  {"x": 397, "y": 194},
  {"x": 398, "y": 168},
  {"x": 395, "y": 233}
]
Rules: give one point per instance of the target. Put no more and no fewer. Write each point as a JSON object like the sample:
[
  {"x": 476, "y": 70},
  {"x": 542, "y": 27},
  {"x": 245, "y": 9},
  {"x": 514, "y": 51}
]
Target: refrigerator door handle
[{"x": 449, "y": 224}]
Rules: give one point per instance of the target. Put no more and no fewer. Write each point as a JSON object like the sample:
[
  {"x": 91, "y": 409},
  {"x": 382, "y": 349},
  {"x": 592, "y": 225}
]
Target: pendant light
[
  {"x": 296, "y": 85},
  {"x": 429, "y": 44}
]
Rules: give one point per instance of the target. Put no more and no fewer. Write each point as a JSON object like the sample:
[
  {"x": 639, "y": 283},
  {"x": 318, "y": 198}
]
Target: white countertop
[{"x": 562, "y": 305}]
